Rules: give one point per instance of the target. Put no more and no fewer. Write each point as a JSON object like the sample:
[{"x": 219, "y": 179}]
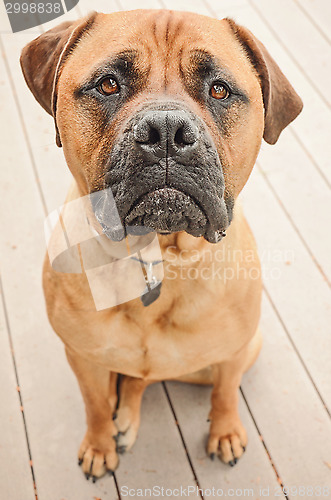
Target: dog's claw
[
  {"x": 80, "y": 461},
  {"x": 244, "y": 448},
  {"x": 231, "y": 463},
  {"x": 121, "y": 449},
  {"x": 94, "y": 479},
  {"x": 212, "y": 456},
  {"x": 87, "y": 475},
  {"x": 111, "y": 472},
  {"x": 118, "y": 435},
  {"x": 115, "y": 415},
  {"x": 235, "y": 460}
]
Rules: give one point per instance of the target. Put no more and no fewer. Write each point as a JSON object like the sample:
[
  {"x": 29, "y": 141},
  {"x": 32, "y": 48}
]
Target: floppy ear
[
  {"x": 42, "y": 59},
  {"x": 281, "y": 103}
]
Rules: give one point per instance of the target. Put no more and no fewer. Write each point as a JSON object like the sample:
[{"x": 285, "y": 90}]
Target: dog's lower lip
[
  {"x": 168, "y": 190},
  {"x": 168, "y": 210}
]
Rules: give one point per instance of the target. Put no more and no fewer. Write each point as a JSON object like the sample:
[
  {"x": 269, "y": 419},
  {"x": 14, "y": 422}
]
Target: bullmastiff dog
[{"x": 166, "y": 110}]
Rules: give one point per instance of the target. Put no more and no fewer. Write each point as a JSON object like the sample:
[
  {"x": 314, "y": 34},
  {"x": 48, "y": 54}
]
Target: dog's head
[{"x": 166, "y": 109}]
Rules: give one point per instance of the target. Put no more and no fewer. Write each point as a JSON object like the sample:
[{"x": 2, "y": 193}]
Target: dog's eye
[
  {"x": 219, "y": 91},
  {"x": 108, "y": 86}
]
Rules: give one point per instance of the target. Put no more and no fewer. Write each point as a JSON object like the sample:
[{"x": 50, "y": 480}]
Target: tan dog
[{"x": 168, "y": 110}]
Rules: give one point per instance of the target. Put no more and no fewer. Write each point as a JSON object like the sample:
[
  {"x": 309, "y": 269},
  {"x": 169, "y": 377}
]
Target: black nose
[{"x": 166, "y": 132}]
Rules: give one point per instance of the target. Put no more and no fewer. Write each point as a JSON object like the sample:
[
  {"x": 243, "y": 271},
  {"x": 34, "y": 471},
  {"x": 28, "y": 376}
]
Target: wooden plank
[
  {"x": 5, "y": 26},
  {"x": 312, "y": 126},
  {"x": 303, "y": 41},
  {"x": 14, "y": 455},
  {"x": 226, "y": 8},
  {"x": 52, "y": 403},
  {"x": 254, "y": 470},
  {"x": 50, "y": 168},
  {"x": 105, "y": 6},
  {"x": 303, "y": 193},
  {"x": 299, "y": 292},
  {"x": 144, "y": 4},
  {"x": 158, "y": 457},
  {"x": 319, "y": 12},
  {"x": 197, "y": 6},
  {"x": 287, "y": 409}
]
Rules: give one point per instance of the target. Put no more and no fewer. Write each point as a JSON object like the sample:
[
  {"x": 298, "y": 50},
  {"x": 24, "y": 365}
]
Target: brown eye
[
  {"x": 219, "y": 91},
  {"x": 108, "y": 86}
]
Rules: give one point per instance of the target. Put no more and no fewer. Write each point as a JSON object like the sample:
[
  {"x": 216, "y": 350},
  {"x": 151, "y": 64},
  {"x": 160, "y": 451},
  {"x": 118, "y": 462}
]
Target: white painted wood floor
[{"x": 285, "y": 399}]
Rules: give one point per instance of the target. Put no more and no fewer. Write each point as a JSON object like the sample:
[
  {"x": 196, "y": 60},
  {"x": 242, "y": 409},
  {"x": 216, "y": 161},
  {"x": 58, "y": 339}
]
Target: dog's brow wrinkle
[
  {"x": 171, "y": 31},
  {"x": 167, "y": 32},
  {"x": 153, "y": 27}
]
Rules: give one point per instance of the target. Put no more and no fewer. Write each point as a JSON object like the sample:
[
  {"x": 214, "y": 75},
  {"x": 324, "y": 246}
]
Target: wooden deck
[{"x": 285, "y": 399}]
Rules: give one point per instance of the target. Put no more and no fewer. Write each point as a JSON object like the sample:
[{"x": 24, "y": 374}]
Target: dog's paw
[
  {"x": 127, "y": 426},
  {"x": 97, "y": 459},
  {"x": 227, "y": 439}
]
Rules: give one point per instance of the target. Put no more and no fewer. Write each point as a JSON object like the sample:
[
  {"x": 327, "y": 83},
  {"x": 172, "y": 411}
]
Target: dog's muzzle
[{"x": 166, "y": 176}]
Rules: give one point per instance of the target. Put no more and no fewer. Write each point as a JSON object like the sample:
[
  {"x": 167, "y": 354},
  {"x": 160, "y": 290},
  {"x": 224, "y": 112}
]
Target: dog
[{"x": 161, "y": 113}]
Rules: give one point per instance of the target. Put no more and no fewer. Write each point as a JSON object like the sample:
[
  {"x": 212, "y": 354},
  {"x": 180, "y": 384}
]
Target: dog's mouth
[
  {"x": 168, "y": 210},
  {"x": 165, "y": 211}
]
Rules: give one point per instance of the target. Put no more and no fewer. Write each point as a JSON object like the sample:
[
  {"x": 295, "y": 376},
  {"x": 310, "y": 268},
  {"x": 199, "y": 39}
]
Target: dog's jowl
[{"x": 160, "y": 115}]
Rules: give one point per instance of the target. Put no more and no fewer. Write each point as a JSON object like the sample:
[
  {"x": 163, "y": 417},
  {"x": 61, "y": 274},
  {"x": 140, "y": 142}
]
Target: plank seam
[
  {"x": 280, "y": 482},
  {"x": 182, "y": 438},
  {"x": 79, "y": 10},
  {"x": 312, "y": 20},
  {"x": 19, "y": 387},
  {"x": 210, "y": 8},
  {"x": 117, "y": 487},
  {"x": 298, "y": 65},
  {"x": 303, "y": 241},
  {"x": 24, "y": 130},
  {"x": 312, "y": 159},
  {"x": 296, "y": 350},
  {"x": 118, "y": 4}
]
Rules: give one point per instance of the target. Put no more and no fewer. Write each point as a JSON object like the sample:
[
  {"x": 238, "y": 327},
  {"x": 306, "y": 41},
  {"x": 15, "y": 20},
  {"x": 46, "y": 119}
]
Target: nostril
[
  {"x": 179, "y": 137},
  {"x": 145, "y": 133},
  {"x": 185, "y": 136},
  {"x": 154, "y": 136}
]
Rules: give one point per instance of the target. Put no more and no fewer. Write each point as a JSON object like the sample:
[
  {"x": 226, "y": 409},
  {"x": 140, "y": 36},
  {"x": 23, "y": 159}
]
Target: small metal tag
[{"x": 151, "y": 294}]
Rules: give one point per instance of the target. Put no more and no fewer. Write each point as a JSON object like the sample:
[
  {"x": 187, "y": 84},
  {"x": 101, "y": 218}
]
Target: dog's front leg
[
  {"x": 128, "y": 413},
  {"x": 227, "y": 436},
  {"x": 97, "y": 453}
]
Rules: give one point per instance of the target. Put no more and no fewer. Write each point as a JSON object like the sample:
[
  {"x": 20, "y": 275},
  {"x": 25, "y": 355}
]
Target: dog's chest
[{"x": 161, "y": 345}]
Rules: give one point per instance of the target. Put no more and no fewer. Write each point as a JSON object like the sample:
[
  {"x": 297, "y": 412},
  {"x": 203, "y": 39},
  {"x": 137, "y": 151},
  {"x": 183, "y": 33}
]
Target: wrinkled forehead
[{"x": 155, "y": 42}]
